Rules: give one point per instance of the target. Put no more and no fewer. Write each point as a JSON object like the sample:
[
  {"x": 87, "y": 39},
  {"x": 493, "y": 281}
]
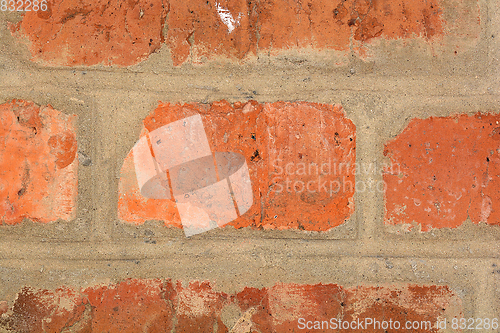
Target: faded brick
[
  {"x": 38, "y": 168},
  {"x": 285, "y": 145},
  {"x": 444, "y": 169},
  {"x": 195, "y": 29},
  {"x": 407, "y": 305},
  {"x": 278, "y": 308},
  {"x": 134, "y": 305},
  {"x": 199, "y": 308},
  {"x": 153, "y": 305},
  {"x": 40, "y": 310},
  {"x": 72, "y": 33}
]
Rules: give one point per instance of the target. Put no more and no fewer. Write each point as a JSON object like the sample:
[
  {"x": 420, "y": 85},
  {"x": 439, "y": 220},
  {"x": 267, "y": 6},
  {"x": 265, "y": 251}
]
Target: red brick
[
  {"x": 4, "y": 307},
  {"x": 71, "y": 33},
  {"x": 409, "y": 303},
  {"x": 199, "y": 308},
  {"x": 270, "y": 136},
  {"x": 282, "y": 305},
  {"x": 149, "y": 305},
  {"x": 279, "y": 308},
  {"x": 74, "y": 33},
  {"x": 445, "y": 170},
  {"x": 38, "y": 168},
  {"x": 40, "y": 310},
  {"x": 195, "y": 29},
  {"x": 132, "y": 306}
]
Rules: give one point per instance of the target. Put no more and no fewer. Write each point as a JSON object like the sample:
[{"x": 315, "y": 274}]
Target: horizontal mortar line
[
  {"x": 174, "y": 241},
  {"x": 462, "y": 250},
  {"x": 257, "y": 257},
  {"x": 251, "y": 69},
  {"x": 251, "y": 74},
  {"x": 273, "y": 96},
  {"x": 217, "y": 89}
]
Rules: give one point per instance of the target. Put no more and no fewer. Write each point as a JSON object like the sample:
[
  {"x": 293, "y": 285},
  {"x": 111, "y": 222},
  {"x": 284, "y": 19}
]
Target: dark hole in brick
[{"x": 255, "y": 156}]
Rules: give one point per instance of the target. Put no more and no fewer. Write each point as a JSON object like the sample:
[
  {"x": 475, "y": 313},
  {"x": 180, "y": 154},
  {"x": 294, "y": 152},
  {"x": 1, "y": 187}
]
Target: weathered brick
[
  {"x": 133, "y": 305},
  {"x": 278, "y": 309},
  {"x": 282, "y": 305},
  {"x": 40, "y": 310},
  {"x": 287, "y": 146},
  {"x": 408, "y": 304},
  {"x": 38, "y": 168},
  {"x": 445, "y": 169},
  {"x": 199, "y": 308},
  {"x": 151, "y": 305},
  {"x": 70, "y": 33},
  {"x": 74, "y": 33},
  {"x": 4, "y": 307},
  {"x": 195, "y": 29}
]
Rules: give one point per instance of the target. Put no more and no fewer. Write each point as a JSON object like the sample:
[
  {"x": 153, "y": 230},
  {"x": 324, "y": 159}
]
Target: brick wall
[{"x": 249, "y": 166}]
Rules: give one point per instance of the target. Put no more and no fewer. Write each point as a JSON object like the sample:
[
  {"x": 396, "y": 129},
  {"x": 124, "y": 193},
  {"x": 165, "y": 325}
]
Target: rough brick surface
[
  {"x": 277, "y": 309},
  {"x": 199, "y": 308},
  {"x": 131, "y": 306},
  {"x": 287, "y": 146},
  {"x": 195, "y": 29},
  {"x": 38, "y": 168},
  {"x": 142, "y": 305},
  {"x": 39, "y": 310},
  {"x": 71, "y": 33},
  {"x": 444, "y": 170}
]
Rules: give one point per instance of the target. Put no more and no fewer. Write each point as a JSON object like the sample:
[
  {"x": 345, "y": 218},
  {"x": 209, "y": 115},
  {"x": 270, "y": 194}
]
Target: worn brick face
[
  {"x": 131, "y": 306},
  {"x": 278, "y": 308},
  {"x": 40, "y": 310},
  {"x": 301, "y": 158},
  {"x": 445, "y": 169},
  {"x": 153, "y": 305},
  {"x": 199, "y": 308},
  {"x": 195, "y": 29},
  {"x": 38, "y": 168},
  {"x": 71, "y": 33}
]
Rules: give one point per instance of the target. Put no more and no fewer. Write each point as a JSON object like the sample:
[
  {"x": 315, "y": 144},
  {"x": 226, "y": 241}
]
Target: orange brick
[
  {"x": 445, "y": 169},
  {"x": 408, "y": 305},
  {"x": 287, "y": 146},
  {"x": 74, "y": 33},
  {"x": 195, "y": 29},
  {"x": 150, "y": 305},
  {"x": 40, "y": 310},
  {"x": 38, "y": 168},
  {"x": 134, "y": 305},
  {"x": 70, "y": 33},
  {"x": 279, "y": 308},
  {"x": 199, "y": 308}
]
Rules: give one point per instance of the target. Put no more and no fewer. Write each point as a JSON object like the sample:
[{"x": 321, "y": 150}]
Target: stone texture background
[{"x": 414, "y": 83}]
